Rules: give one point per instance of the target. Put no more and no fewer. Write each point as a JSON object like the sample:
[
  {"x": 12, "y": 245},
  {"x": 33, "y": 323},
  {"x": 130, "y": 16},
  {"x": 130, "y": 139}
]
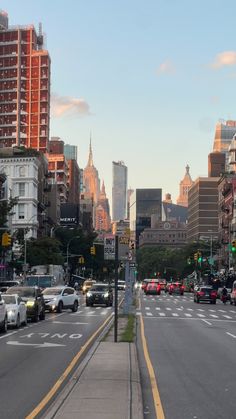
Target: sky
[{"x": 147, "y": 79}]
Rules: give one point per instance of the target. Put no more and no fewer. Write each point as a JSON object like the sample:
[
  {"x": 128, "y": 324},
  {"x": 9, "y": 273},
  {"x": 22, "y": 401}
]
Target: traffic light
[
  {"x": 6, "y": 239},
  {"x": 233, "y": 246},
  {"x": 195, "y": 257},
  {"x": 81, "y": 260},
  {"x": 199, "y": 258},
  {"x": 132, "y": 245},
  {"x": 93, "y": 250}
]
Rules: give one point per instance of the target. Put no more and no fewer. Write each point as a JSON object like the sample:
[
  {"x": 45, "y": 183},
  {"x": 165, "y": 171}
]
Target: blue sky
[{"x": 149, "y": 79}]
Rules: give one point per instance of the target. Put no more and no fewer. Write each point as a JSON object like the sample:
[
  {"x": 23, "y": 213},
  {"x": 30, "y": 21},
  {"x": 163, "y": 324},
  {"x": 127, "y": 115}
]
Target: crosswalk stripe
[
  {"x": 188, "y": 314},
  {"x": 175, "y": 314},
  {"x": 190, "y": 309},
  {"x": 214, "y": 316},
  {"x": 168, "y": 308},
  {"x": 149, "y": 314},
  {"x": 147, "y": 308},
  {"x": 200, "y": 315},
  {"x": 162, "y": 314},
  {"x": 227, "y": 317},
  {"x": 213, "y": 311},
  {"x": 157, "y": 308},
  {"x": 200, "y": 309},
  {"x": 222, "y": 311}
]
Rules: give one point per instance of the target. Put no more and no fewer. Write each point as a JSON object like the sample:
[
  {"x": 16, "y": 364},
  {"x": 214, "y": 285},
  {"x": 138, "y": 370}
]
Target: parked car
[
  {"x": 59, "y": 298},
  {"x": 176, "y": 288},
  {"x": 204, "y": 293},
  {"x": 3, "y": 315},
  {"x": 16, "y": 310},
  {"x": 153, "y": 287},
  {"x": 32, "y": 296},
  {"x": 99, "y": 294},
  {"x": 4, "y": 285},
  {"x": 88, "y": 283}
]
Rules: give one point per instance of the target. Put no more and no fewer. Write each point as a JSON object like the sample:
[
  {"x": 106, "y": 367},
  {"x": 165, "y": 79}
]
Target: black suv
[
  {"x": 33, "y": 298},
  {"x": 99, "y": 294}
]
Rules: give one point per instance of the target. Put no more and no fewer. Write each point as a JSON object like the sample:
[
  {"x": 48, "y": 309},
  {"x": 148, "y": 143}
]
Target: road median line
[{"x": 155, "y": 391}]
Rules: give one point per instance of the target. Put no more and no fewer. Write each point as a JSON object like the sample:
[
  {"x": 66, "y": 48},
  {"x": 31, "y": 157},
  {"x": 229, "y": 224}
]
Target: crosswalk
[{"x": 179, "y": 307}]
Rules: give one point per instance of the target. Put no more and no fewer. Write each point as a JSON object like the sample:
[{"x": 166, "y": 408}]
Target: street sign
[{"x": 109, "y": 247}]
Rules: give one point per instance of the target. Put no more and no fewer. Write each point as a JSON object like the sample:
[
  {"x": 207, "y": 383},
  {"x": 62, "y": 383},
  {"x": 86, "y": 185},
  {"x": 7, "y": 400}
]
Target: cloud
[
  {"x": 224, "y": 59},
  {"x": 166, "y": 67},
  {"x": 67, "y": 106}
]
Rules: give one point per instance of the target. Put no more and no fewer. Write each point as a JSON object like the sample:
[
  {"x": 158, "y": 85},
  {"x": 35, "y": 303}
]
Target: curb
[{"x": 136, "y": 389}]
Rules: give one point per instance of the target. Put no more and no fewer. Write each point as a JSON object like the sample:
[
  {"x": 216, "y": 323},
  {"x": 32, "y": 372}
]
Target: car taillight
[
  {"x": 182, "y": 288},
  {"x": 201, "y": 293},
  {"x": 214, "y": 294}
]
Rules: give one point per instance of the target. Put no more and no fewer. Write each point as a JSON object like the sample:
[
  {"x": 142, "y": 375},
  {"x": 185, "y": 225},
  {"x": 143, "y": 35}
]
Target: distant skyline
[{"x": 148, "y": 80}]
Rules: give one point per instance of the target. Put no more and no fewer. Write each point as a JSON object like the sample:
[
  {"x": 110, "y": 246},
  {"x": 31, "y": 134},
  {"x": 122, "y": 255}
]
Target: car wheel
[
  {"x": 3, "y": 327},
  {"x": 42, "y": 315},
  {"x": 75, "y": 306},
  {"x": 231, "y": 302},
  {"x": 18, "y": 321},
  {"x": 36, "y": 318},
  {"x": 60, "y": 307},
  {"x": 25, "y": 321},
  {"x": 197, "y": 300},
  {"x": 214, "y": 302}
]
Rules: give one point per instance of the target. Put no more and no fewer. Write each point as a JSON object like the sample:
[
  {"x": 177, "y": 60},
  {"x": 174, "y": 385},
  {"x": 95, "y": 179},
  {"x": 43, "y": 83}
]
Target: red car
[
  {"x": 153, "y": 287},
  {"x": 176, "y": 288}
]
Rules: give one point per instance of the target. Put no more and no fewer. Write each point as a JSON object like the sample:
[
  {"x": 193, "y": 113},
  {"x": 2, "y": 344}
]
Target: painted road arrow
[{"x": 36, "y": 345}]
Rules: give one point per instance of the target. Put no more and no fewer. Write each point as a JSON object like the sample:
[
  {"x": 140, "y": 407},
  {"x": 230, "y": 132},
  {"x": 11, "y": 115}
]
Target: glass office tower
[{"x": 119, "y": 191}]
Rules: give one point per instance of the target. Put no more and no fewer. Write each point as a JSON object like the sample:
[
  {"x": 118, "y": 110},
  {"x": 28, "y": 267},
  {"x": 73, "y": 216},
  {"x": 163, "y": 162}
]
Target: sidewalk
[{"x": 107, "y": 388}]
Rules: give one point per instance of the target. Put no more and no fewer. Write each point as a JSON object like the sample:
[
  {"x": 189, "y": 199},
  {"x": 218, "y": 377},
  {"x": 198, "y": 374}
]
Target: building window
[
  {"x": 21, "y": 211},
  {"x": 21, "y": 189},
  {"x": 22, "y": 171}
]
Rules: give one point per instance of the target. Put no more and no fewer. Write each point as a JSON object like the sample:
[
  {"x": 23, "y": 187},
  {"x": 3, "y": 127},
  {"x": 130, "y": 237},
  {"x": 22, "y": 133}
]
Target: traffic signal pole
[{"x": 116, "y": 290}]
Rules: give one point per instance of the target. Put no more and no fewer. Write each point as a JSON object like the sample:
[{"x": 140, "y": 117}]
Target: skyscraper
[
  {"x": 223, "y": 136},
  {"x": 184, "y": 187},
  {"x": 70, "y": 152},
  {"x": 24, "y": 87},
  {"x": 91, "y": 178},
  {"x": 102, "y": 212},
  {"x": 119, "y": 191}
]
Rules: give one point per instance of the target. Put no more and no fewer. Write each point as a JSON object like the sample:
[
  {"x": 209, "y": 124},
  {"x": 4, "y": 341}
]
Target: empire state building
[{"x": 91, "y": 178}]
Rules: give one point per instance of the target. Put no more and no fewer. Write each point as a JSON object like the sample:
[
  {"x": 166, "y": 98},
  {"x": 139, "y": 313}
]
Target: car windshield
[
  {"x": 99, "y": 288},
  {"x": 39, "y": 281},
  {"x": 23, "y": 292},
  {"x": 9, "y": 299},
  {"x": 52, "y": 291}
]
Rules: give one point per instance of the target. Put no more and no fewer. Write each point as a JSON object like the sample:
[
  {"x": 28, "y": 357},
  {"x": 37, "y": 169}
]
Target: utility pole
[{"x": 116, "y": 290}]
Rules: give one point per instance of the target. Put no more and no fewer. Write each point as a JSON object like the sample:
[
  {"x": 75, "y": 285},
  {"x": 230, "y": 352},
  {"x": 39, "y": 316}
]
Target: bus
[{"x": 41, "y": 281}]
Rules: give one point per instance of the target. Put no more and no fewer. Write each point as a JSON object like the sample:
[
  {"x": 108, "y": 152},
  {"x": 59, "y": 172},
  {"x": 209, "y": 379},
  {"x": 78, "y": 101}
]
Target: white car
[
  {"x": 59, "y": 298},
  {"x": 16, "y": 310},
  {"x": 3, "y": 315}
]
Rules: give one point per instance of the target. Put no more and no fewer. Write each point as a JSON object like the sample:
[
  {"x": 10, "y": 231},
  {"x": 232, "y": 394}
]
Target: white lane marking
[
  {"x": 175, "y": 315},
  {"x": 232, "y": 311},
  {"x": 214, "y": 316},
  {"x": 147, "y": 308},
  {"x": 213, "y": 311},
  {"x": 180, "y": 309},
  {"x": 168, "y": 308},
  {"x": 210, "y": 324},
  {"x": 57, "y": 322},
  {"x": 91, "y": 312},
  {"x": 8, "y": 334},
  {"x": 149, "y": 314},
  {"x": 189, "y": 318},
  {"x": 227, "y": 317},
  {"x": 157, "y": 308},
  {"x": 200, "y": 315},
  {"x": 36, "y": 345},
  {"x": 222, "y": 311},
  {"x": 162, "y": 314},
  {"x": 103, "y": 313},
  {"x": 200, "y": 309},
  {"x": 230, "y": 334},
  {"x": 188, "y": 314},
  {"x": 190, "y": 309},
  {"x": 98, "y": 308}
]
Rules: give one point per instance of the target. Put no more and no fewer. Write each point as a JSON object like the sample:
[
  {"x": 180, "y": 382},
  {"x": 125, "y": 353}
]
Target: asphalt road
[
  {"x": 33, "y": 358},
  {"x": 192, "y": 350}
]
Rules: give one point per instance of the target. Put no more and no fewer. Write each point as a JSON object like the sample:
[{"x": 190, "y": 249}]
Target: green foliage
[
  {"x": 6, "y": 207},
  {"x": 44, "y": 251}
]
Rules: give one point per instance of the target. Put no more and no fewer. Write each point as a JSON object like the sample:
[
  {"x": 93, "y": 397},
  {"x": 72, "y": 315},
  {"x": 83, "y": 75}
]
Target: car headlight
[
  {"x": 106, "y": 295},
  {"x": 89, "y": 294},
  {"x": 11, "y": 312},
  {"x": 30, "y": 303}
]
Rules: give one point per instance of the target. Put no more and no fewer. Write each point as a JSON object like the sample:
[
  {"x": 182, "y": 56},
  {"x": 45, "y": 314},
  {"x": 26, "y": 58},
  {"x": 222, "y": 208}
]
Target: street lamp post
[
  {"x": 25, "y": 245},
  {"x": 67, "y": 255}
]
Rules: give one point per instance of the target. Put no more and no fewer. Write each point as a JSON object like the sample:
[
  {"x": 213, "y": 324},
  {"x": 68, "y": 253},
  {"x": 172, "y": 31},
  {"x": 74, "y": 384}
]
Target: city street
[
  {"x": 192, "y": 351},
  {"x": 33, "y": 358}
]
